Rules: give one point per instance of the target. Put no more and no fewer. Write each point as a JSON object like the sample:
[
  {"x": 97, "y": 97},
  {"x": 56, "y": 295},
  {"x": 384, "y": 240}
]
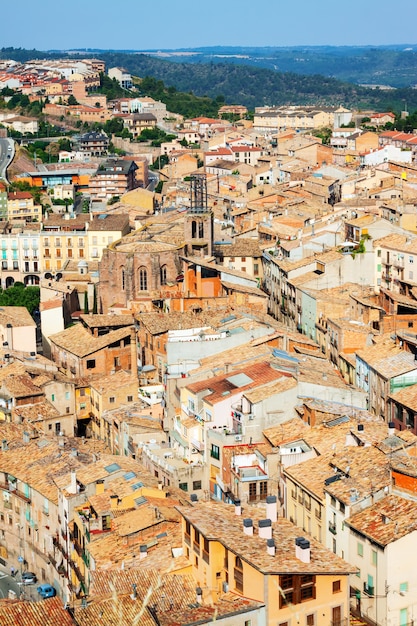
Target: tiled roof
[
  {"x": 48, "y": 612},
  {"x": 238, "y": 248},
  {"x": 173, "y": 596},
  {"x": 117, "y": 380},
  {"x": 218, "y": 522},
  {"x": 386, "y": 521},
  {"x": 103, "y": 321},
  {"x": 80, "y": 342},
  {"x": 270, "y": 389},
  {"x": 16, "y": 316},
  {"x": 220, "y": 386}
]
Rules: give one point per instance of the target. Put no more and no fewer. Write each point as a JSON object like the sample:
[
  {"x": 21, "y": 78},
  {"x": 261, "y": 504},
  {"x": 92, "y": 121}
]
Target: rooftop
[{"x": 218, "y": 522}]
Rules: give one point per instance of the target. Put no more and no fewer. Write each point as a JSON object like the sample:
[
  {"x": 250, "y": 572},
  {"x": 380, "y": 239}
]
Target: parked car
[
  {"x": 29, "y": 578},
  {"x": 46, "y": 591}
]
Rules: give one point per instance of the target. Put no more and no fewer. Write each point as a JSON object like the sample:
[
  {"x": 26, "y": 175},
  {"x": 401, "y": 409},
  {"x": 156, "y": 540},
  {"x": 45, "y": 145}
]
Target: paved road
[
  {"x": 7, "y": 583},
  {"x": 6, "y": 156}
]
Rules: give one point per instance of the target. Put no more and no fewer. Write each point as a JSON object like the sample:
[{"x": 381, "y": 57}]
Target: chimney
[
  {"x": 248, "y": 526},
  {"x": 238, "y": 508},
  {"x": 4, "y": 445},
  {"x": 391, "y": 429},
  {"x": 270, "y": 547},
  {"x": 265, "y": 528},
  {"x": 271, "y": 508},
  {"x": 199, "y": 594},
  {"x": 133, "y": 351},
  {"x": 302, "y": 549},
  {"x": 143, "y": 552},
  {"x": 99, "y": 486},
  {"x": 73, "y": 484}
]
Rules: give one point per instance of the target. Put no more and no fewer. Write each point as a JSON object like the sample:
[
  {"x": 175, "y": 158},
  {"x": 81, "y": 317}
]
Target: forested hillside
[{"x": 246, "y": 84}]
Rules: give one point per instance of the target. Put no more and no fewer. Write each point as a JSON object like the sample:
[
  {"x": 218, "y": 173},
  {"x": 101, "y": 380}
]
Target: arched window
[
  {"x": 193, "y": 229},
  {"x": 123, "y": 276},
  {"x": 143, "y": 279},
  {"x": 200, "y": 230},
  {"x": 163, "y": 273}
]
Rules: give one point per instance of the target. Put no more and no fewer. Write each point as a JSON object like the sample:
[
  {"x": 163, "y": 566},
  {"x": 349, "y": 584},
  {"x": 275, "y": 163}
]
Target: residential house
[
  {"x": 382, "y": 370},
  {"x": 17, "y": 330},
  {"x": 113, "y": 178},
  {"x": 78, "y": 353},
  {"x": 20, "y": 205},
  {"x": 93, "y": 144},
  {"x": 121, "y": 75},
  {"x": 267, "y": 565},
  {"x": 382, "y": 540}
]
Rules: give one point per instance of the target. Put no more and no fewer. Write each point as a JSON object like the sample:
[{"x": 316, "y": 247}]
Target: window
[
  {"x": 82, "y": 392},
  {"x": 411, "y": 259},
  {"x": 91, "y": 363},
  {"x": 263, "y": 489},
  {"x": 310, "y": 621},
  {"x": 143, "y": 279},
  {"x": 374, "y": 557},
  {"x": 360, "y": 549},
  {"x": 53, "y": 397},
  {"x": 67, "y": 395},
  {"x": 130, "y": 398},
  {"x": 238, "y": 574},
  {"x": 336, "y": 586},
  {"x": 215, "y": 452},
  {"x": 164, "y": 275},
  {"x": 403, "y": 587},
  {"x": 206, "y": 551},
  {"x": 341, "y": 507},
  {"x": 183, "y": 486},
  {"x": 296, "y": 589},
  {"x": 252, "y": 492},
  {"x": 196, "y": 484},
  {"x": 112, "y": 399}
]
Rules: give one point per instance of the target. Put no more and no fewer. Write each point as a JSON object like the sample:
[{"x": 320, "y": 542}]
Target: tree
[
  {"x": 95, "y": 303},
  {"x": 72, "y": 100},
  {"x": 19, "y": 295},
  {"x": 85, "y": 302}
]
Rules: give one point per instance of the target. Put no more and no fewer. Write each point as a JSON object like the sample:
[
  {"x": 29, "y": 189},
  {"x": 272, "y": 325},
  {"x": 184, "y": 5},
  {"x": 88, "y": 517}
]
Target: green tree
[
  {"x": 72, "y": 100},
  {"x": 85, "y": 302}
]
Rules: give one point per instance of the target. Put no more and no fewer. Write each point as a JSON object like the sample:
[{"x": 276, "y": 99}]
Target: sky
[{"x": 172, "y": 24}]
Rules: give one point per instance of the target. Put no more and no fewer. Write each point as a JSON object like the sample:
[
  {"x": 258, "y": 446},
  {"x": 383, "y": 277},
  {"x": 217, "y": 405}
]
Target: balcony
[
  {"x": 332, "y": 528},
  {"x": 79, "y": 550},
  {"x": 370, "y": 591},
  {"x": 250, "y": 474},
  {"x": 11, "y": 489}
]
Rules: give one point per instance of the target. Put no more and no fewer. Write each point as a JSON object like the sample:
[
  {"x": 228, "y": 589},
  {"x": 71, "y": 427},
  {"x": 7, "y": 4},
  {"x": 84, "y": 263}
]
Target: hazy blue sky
[{"x": 136, "y": 24}]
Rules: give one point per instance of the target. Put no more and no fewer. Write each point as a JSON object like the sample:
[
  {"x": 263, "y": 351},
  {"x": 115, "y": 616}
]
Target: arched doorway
[{"x": 31, "y": 279}]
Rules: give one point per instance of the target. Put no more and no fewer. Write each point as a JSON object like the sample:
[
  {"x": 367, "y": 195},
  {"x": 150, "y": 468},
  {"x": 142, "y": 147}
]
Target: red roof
[{"x": 19, "y": 195}]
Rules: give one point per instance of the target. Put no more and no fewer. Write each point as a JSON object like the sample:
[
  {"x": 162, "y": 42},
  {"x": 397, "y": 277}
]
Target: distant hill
[
  {"x": 256, "y": 86},
  {"x": 236, "y": 75}
]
